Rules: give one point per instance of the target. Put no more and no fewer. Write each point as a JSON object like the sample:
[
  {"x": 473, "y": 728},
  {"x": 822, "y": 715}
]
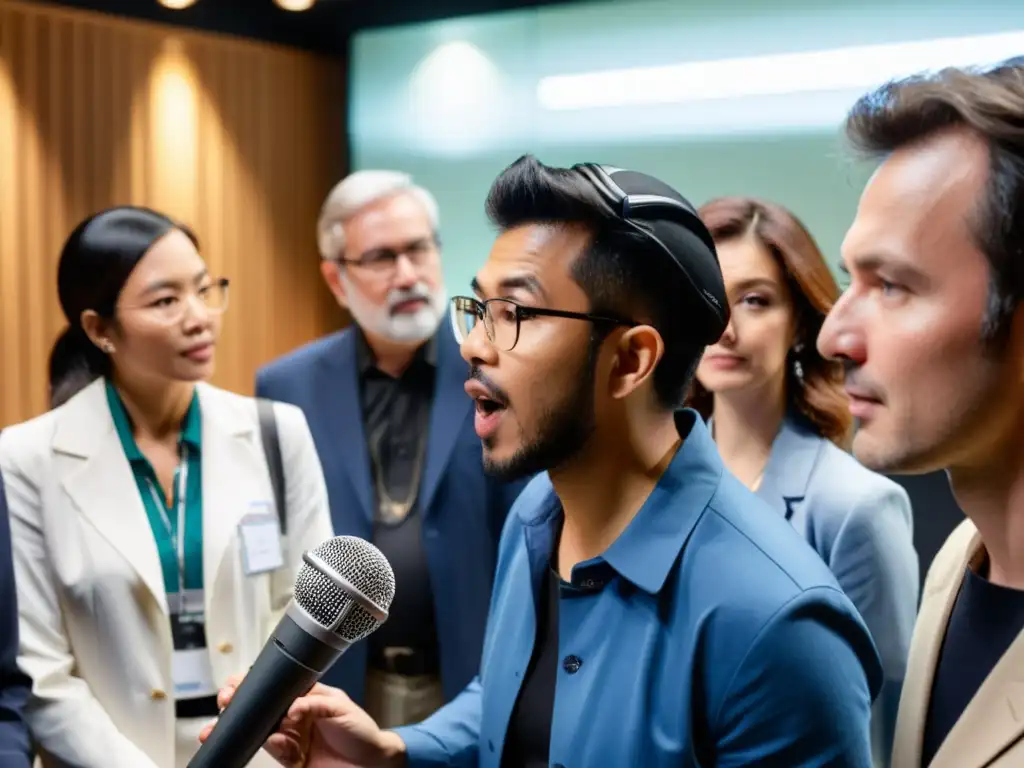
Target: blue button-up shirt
[{"x": 709, "y": 633}]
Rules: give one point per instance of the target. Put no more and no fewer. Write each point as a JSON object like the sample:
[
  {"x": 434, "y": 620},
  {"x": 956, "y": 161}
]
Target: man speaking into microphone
[{"x": 648, "y": 610}]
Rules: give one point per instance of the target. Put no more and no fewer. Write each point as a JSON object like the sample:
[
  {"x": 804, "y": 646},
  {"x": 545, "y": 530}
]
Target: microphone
[{"x": 342, "y": 594}]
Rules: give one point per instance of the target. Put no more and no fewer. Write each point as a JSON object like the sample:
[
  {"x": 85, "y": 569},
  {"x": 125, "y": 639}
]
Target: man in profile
[
  {"x": 648, "y": 609},
  {"x": 932, "y": 332},
  {"x": 14, "y": 685}
]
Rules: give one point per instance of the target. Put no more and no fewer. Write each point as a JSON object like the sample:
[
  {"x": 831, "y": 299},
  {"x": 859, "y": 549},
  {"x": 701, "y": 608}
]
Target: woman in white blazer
[
  {"x": 781, "y": 424},
  {"x": 149, "y": 560}
]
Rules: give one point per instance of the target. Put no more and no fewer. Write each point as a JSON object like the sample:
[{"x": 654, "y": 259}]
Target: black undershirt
[
  {"x": 396, "y": 415},
  {"x": 528, "y": 739},
  {"x": 985, "y": 620}
]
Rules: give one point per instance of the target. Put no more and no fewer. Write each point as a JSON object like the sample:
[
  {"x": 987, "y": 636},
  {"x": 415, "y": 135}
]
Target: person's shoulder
[
  {"x": 304, "y": 356},
  {"x": 28, "y": 438},
  {"x": 750, "y": 572},
  {"x": 840, "y": 481},
  {"x": 243, "y": 409},
  {"x": 958, "y": 548},
  {"x": 775, "y": 558},
  {"x": 34, "y": 436},
  {"x": 751, "y": 563}
]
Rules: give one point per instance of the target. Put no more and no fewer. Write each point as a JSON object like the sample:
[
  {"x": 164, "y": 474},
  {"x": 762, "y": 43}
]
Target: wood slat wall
[{"x": 241, "y": 140}]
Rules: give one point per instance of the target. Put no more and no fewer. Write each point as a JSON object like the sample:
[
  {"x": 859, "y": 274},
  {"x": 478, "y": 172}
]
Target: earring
[
  {"x": 107, "y": 346},
  {"x": 798, "y": 369}
]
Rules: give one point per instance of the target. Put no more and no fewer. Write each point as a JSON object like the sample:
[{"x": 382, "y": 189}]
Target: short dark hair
[
  {"x": 622, "y": 273},
  {"x": 989, "y": 103}
]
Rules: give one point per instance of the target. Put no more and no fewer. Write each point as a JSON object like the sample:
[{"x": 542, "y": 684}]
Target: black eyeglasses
[{"x": 502, "y": 317}]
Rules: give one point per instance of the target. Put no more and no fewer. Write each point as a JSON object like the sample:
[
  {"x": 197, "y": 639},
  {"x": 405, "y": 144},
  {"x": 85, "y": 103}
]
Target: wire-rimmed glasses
[
  {"x": 171, "y": 308},
  {"x": 382, "y": 262}
]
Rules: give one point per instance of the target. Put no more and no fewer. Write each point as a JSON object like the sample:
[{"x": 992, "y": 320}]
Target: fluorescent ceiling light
[
  {"x": 295, "y": 5},
  {"x": 176, "y": 4},
  {"x": 857, "y": 67}
]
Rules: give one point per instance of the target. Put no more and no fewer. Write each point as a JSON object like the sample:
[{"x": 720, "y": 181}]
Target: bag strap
[{"x": 272, "y": 450}]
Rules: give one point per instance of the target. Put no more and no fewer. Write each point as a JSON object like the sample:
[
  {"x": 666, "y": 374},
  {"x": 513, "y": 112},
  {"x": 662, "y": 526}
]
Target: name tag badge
[
  {"x": 191, "y": 669},
  {"x": 260, "y": 535},
  {"x": 192, "y": 674}
]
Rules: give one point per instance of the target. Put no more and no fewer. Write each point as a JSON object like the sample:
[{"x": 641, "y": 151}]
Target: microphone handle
[{"x": 275, "y": 680}]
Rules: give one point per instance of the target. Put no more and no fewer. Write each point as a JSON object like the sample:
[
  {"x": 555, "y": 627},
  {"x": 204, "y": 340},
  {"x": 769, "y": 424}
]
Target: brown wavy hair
[{"x": 818, "y": 395}]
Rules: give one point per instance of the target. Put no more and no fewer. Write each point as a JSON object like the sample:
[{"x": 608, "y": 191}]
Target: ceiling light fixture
[
  {"x": 176, "y": 5},
  {"x": 853, "y": 68},
  {"x": 295, "y": 5}
]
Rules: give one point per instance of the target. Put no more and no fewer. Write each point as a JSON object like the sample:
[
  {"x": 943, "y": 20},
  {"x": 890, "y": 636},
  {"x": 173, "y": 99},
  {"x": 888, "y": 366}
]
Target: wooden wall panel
[{"x": 241, "y": 140}]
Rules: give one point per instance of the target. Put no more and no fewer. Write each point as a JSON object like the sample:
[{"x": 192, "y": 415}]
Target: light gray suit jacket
[{"x": 860, "y": 523}]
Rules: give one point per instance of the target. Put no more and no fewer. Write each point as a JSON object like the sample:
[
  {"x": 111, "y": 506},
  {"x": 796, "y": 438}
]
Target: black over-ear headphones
[{"x": 643, "y": 213}]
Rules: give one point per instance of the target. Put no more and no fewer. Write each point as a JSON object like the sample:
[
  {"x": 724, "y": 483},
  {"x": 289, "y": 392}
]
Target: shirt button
[
  {"x": 157, "y": 695},
  {"x": 572, "y": 664},
  {"x": 225, "y": 647}
]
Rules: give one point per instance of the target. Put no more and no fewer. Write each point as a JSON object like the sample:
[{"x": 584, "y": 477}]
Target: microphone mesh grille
[{"x": 364, "y": 567}]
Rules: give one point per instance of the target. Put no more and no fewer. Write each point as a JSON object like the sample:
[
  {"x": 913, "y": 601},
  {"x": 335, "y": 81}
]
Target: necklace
[
  {"x": 391, "y": 511},
  {"x": 756, "y": 482}
]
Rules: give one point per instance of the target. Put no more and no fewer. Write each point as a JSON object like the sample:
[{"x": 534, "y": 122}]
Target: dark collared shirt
[{"x": 396, "y": 415}]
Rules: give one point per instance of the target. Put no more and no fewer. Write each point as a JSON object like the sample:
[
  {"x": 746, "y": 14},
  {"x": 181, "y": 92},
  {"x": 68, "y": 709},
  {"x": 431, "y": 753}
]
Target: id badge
[
  {"x": 260, "y": 535},
  {"x": 191, "y": 669}
]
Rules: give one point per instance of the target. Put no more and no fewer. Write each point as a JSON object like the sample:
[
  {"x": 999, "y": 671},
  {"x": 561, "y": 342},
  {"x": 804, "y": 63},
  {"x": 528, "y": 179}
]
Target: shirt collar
[
  {"x": 366, "y": 361},
  {"x": 646, "y": 551},
  {"x": 191, "y": 428}
]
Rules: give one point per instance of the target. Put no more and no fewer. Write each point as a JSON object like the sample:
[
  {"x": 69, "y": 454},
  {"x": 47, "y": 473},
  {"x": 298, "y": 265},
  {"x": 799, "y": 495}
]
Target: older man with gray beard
[{"x": 393, "y": 425}]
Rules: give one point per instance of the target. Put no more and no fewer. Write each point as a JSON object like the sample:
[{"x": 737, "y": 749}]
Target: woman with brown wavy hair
[{"x": 779, "y": 416}]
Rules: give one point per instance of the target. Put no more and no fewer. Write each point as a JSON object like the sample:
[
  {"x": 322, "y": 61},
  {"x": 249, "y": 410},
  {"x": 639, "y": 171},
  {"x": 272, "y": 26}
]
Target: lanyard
[{"x": 177, "y": 536}]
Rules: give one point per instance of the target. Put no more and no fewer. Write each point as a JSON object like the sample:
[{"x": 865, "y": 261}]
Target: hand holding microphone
[
  {"x": 326, "y": 729},
  {"x": 342, "y": 594}
]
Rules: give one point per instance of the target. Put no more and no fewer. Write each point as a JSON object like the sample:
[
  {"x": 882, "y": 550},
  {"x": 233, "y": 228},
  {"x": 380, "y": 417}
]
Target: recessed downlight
[{"x": 295, "y": 5}]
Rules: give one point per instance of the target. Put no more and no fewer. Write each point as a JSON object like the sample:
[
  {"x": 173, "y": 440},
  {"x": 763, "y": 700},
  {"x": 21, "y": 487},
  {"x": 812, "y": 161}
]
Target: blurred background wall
[
  {"x": 455, "y": 101},
  {"x": 239, "y": 139}
]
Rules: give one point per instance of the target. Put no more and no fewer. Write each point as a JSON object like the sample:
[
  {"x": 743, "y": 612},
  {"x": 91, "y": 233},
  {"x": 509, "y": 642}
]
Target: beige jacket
[{"x": 990, "y": 732}]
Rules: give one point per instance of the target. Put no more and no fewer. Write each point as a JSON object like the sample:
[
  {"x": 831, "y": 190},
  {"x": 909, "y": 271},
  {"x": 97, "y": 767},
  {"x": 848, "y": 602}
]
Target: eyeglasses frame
[
  {"x": 525, "y": 312},
  {"x": 224, "y": 283}
]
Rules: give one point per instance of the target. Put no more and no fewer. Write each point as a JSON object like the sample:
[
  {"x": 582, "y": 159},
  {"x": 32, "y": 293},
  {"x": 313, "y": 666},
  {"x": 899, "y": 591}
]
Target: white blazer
[{"x": 93, "y": 619}]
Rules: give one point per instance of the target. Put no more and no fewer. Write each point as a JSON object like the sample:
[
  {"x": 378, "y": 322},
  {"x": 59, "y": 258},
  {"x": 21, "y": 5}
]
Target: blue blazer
[
  {"x": 14, "y": 685},
  {"x": 463, "y": 510},
  {"x": 861, "y": 524},
  {"x": 707, "y": 634}
]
